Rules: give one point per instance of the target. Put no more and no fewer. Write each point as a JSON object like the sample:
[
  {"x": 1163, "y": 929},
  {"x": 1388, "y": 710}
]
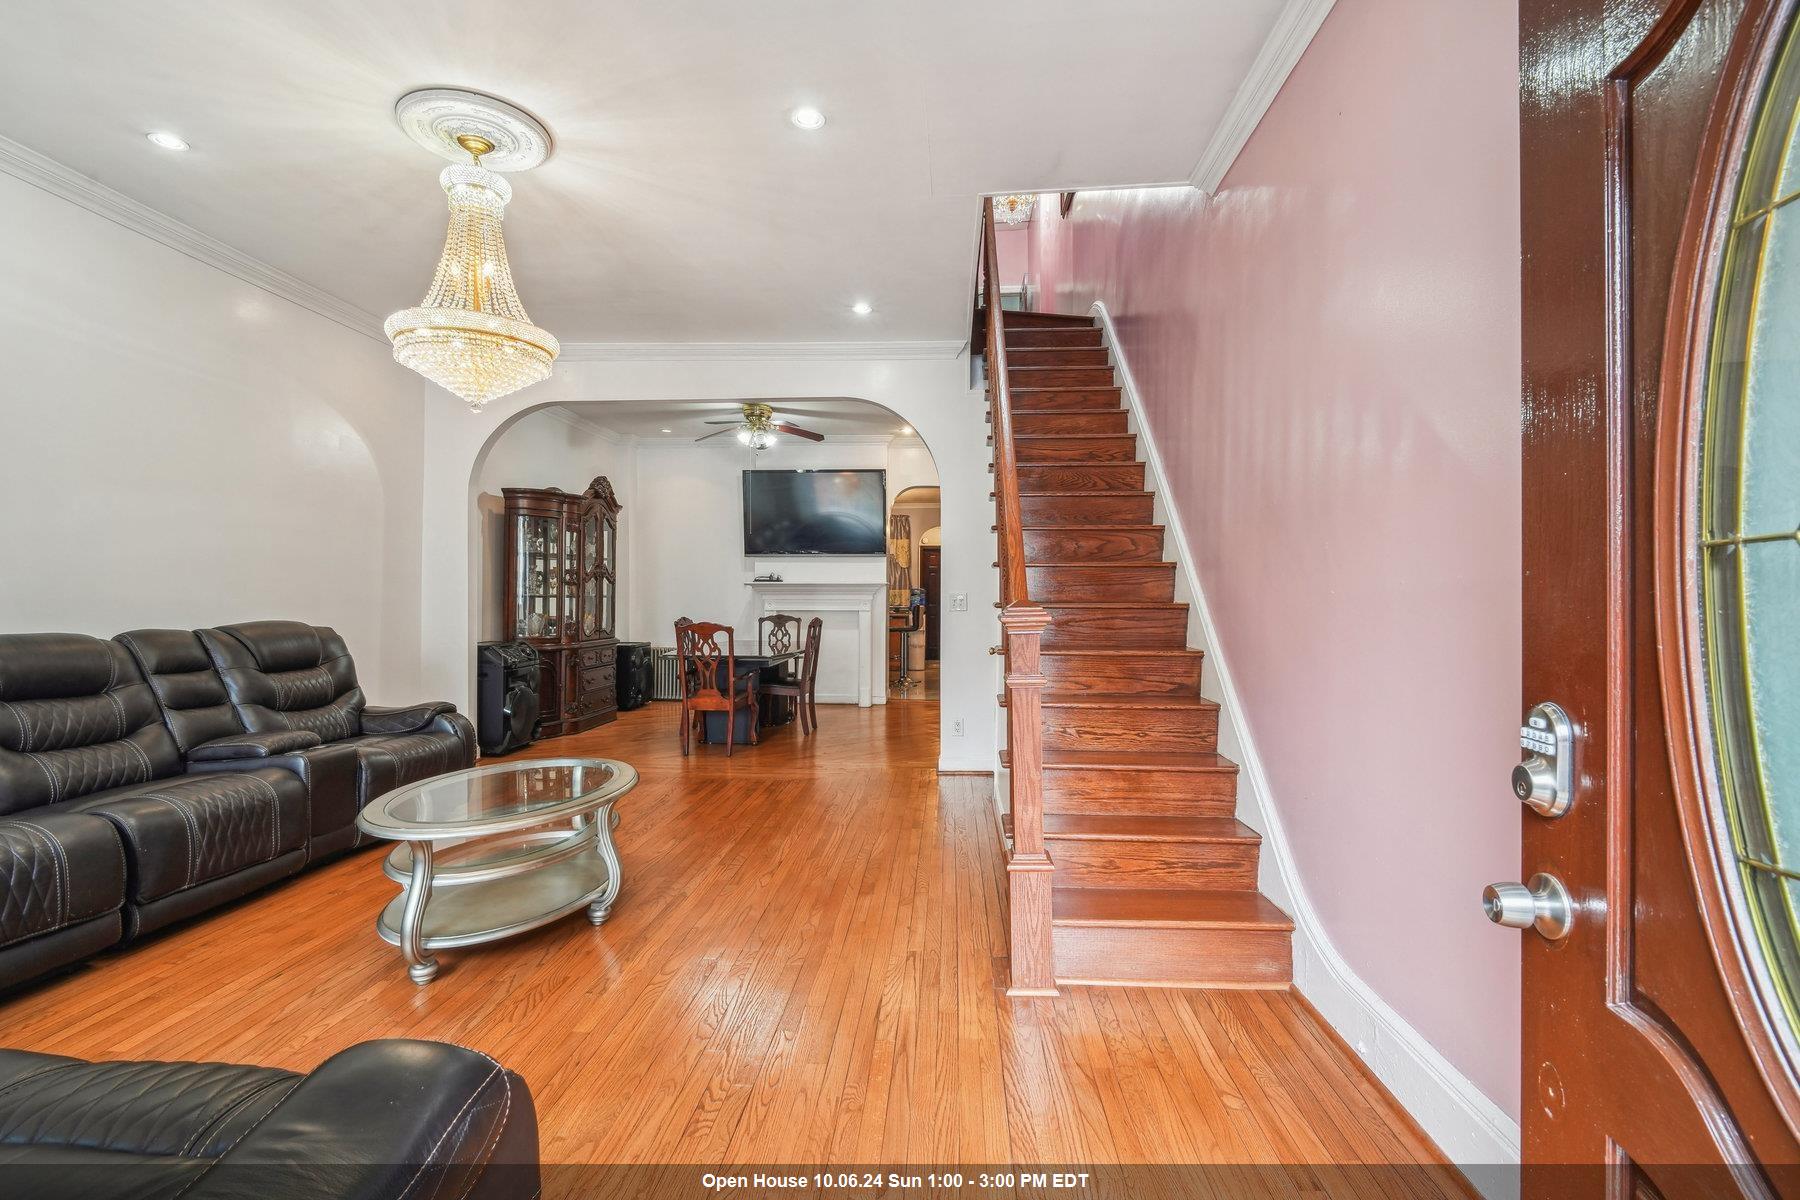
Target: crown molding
[
  {"x": 574, "y": 420},
  {"x": 41, "y": 171},
  {"x": 575, "y": 352},
  {"x": 1280, "y": 53}
]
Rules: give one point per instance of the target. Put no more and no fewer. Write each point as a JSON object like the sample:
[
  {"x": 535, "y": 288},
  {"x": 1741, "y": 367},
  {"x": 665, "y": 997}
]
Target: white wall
[
  {"x": 181, "y": 448},
  {"x": 931, "y": 394},
  {"x": 550, "y": 448}
]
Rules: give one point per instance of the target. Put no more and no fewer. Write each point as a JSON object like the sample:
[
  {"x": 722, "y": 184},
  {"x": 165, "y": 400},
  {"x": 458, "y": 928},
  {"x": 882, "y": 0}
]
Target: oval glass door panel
[{"x": 1749, "y": 464}]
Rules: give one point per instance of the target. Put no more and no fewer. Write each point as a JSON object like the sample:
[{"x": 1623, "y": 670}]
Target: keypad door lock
[{"x": 1545, "y": 781}]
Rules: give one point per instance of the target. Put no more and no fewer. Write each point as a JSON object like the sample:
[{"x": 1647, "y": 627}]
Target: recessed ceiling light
[
  {"x": 807, "y": 118},
  {"x": 168, "y": 141},
  {"x": 906, "y": 429},
  {"x": 668, "y": 431},
  {"x": 862, "y": 308}
]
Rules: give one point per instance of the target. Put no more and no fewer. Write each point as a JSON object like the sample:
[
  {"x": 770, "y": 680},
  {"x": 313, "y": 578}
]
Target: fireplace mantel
[{"x": 866, "y": 600}]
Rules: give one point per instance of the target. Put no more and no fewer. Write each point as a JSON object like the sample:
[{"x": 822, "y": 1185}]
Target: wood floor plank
[{"x": 807, "y": 964}]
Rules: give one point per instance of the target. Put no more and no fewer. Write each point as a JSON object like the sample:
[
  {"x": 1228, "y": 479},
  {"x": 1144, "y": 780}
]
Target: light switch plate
[{"x": 959, "y": 602}]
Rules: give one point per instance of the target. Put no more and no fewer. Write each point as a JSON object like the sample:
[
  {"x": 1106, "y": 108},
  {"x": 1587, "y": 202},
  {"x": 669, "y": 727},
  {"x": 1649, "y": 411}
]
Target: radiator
[{"x": 668, "y": 674}]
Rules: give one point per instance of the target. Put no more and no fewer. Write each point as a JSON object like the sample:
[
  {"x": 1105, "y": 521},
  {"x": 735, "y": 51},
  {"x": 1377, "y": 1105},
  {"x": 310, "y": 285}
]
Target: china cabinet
[{"x": 562, "y": 596}]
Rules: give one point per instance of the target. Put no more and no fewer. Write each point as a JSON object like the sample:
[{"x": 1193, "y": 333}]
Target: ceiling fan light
[{"x": 743, "y": 435}]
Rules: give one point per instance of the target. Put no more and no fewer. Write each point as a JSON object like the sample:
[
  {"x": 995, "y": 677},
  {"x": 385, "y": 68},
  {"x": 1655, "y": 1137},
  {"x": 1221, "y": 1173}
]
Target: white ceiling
[
  {"x": 687, "y": 419},
  {"x": 680, "y": 204}
]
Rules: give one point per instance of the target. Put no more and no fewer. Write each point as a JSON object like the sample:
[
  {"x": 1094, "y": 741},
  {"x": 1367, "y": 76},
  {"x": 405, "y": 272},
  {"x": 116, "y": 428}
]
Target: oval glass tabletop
[{"x": 497, "y": 797}]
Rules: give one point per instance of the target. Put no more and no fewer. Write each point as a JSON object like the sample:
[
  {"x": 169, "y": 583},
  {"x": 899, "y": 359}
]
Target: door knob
[{"x": 1543, "y": 904}]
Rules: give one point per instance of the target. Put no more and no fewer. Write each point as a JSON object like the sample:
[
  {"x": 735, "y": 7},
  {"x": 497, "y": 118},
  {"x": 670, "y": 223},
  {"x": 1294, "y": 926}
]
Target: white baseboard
[{"x": 1469, "y": 1128}]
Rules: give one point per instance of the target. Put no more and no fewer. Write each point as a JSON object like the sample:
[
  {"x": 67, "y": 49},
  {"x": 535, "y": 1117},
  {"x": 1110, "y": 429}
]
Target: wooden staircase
[{"x": 1153, "y": 876}]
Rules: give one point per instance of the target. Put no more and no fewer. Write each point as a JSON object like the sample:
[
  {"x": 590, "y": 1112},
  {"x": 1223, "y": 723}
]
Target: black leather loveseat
[
  {"x": 166, "y": 772},
  {"x": 383, "y": 1120}
]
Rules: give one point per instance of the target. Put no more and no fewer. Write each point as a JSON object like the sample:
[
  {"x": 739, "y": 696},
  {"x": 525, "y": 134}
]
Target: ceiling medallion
[
  {"x": 1013, "y": 210},
  {"x": 471, "y": 335}
]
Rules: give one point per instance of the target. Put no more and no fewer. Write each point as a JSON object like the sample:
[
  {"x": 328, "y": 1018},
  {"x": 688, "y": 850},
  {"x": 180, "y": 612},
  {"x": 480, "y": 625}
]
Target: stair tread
[
  {"x": 1109, "y": 604},
  {"x": 1064, "y": 412},
  {"x": 1130, "y": 760},
  {"x": 1135, "y": 827},
  {"x": 1138, "y": 528},
  {"x": 1178, "y": 908},
  {"x": 1102, "y": 565},
  {"x": 1124, "y": 700},
  {"x": 1101, "y": 492},
  {"x": 1069, "y": 437},
  {"x": 1160, "y": 652}
]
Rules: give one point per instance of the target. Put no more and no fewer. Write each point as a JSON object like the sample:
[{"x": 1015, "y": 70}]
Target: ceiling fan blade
[
  {"x": 725, "y": 421},
  {"x": 708, "y": 437},
  {"x": 808, "y": 434}
]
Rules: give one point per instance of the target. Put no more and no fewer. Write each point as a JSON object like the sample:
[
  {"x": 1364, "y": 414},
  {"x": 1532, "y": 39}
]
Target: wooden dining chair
[
  {"x": 710, "y": 682},
  {"x": 778, "y": 633},
  {"x": 803, "y": 688}
]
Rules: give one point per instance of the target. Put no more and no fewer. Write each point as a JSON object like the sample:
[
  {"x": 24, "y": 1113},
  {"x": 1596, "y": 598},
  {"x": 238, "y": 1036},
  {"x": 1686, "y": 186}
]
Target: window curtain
[{"x": 899, "y": 559}]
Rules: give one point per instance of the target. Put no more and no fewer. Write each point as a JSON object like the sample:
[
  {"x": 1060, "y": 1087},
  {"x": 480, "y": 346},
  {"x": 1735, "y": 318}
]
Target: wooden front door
[{"x": 1661, "y": 494}]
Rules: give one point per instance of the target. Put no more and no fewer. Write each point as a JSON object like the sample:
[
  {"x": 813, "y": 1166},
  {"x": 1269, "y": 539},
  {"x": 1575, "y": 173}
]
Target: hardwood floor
[{"x": 805, "y": 967}]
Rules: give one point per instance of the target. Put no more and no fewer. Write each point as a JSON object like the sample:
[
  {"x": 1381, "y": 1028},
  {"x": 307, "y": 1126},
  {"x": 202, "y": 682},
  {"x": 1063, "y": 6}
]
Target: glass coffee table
[{"x": 497, "y": 850}]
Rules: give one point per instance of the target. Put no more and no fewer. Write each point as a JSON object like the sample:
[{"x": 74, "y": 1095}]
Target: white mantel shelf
[{"x": 862, "y": 598}]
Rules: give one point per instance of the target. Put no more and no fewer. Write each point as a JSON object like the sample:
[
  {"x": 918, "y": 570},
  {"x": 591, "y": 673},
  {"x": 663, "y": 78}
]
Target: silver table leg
[
  {"x": 601, "y": 907},
  {"x": 420, "y": 966}
]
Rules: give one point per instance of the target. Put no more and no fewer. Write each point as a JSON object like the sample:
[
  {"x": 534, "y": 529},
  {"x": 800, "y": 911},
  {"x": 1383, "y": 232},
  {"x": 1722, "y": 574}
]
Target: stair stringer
[{"x": 1470, "y": 1128}]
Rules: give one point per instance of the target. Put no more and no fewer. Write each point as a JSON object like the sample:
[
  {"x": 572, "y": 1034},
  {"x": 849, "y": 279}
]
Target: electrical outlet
[
  {"x": 956, "y": 727},
  {"x": 959, "y": 602}
]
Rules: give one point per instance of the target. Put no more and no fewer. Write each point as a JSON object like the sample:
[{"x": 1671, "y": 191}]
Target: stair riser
[
  {"x": 1055, "y": 357},
  {"x": 1014, "y": 320},
  {"x": 1094, "y": 545},
  {"x": 1101, "y": 423},
  {"x": 1104, "y": 399},
  {"x": 1117, "y": 449},
  {"x": 1175, "y": 729},
  {"x": 1221, "y": 866},
  {"x": 1107, "y": 477},
  {"x": 1021, "y": 339},
  {"x": 1060, "y": 377},
  {"x": 1120, "y": 673},
  {"x": 1155, "y": 584},
  {"x": 1226, "y": 958},
  {"x": 1132, "y": 508},
  {"x": 1085, "y": 791},
  {"x": 1116, "y": 629}
]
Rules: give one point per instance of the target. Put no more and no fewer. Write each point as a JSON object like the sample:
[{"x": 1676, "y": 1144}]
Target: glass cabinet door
[
  {"x": 590, "y": 573},
  {"x": 535, "y": 541},
  {"x": 569, "y": 578}
]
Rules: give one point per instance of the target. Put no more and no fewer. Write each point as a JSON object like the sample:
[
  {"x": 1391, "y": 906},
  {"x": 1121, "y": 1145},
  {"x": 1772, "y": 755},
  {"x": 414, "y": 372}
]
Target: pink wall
[
  {"x": 1328, "y": 352},
  {"x": 1012, "y": 246}
]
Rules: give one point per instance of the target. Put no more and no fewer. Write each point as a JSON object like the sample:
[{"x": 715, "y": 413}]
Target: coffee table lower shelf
[{"x": 470, "y": 913}]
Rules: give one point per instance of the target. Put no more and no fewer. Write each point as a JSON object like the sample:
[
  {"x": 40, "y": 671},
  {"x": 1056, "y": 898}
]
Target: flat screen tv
[{"x": 815, "y": 512}]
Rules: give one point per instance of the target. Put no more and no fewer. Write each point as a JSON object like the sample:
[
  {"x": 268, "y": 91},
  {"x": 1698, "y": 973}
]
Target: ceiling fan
[{"x": 758, "y": 426}]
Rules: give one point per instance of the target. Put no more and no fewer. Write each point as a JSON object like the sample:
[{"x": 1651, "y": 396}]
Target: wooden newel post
[{"x": 1028, "y": 871}]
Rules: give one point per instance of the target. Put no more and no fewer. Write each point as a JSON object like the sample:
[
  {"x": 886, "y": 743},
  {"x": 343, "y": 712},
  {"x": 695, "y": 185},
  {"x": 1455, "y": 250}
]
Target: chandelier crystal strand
[
  {"x": 1013, "y": 210},
  {"x": 471, "y": 335}
]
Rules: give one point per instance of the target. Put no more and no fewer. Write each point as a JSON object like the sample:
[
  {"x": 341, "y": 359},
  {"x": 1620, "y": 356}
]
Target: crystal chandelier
[
  {"x": 1013, "y": 210},
  {"x": 470, "y": 334}
]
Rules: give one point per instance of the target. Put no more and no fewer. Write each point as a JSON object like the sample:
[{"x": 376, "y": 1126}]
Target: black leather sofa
[
  {"x": 380, "y": 1121},
  {"x": 153, "y": 777}
]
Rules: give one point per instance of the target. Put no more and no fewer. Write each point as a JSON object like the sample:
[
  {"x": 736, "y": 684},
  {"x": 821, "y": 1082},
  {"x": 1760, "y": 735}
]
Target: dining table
[{"x": 774, "y": 710}]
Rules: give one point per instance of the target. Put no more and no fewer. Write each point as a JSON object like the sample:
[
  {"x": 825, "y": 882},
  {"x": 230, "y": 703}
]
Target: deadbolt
[
  {"x": 1543, "y": 904},
  {"x": 1545, "y": 781}
]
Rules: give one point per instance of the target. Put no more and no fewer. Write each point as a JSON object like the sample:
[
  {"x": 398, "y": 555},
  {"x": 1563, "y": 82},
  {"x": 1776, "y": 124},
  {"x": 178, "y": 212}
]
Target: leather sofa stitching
[
  {"x": 22, "y": 1080},
  {"x": 200, "y": 1134},
  {"x": 62, "y": 870},
  {"x": 273, "y": 1109},
  {"x": 488, "y": 1147},
  {"x": 188, "y": 822},
  {"x": 119, "y": 712},
  {"x": 24, "y": 725},
  {"x": 55, "y": 785},
  {"x": 431, "y": 1154}
]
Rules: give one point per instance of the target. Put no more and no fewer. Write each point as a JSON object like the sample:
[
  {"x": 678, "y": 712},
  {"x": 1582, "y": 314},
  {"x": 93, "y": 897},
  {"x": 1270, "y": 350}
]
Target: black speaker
[
  {"x": 637, "y": 675},
  {"x": 506, "y": 696}
]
